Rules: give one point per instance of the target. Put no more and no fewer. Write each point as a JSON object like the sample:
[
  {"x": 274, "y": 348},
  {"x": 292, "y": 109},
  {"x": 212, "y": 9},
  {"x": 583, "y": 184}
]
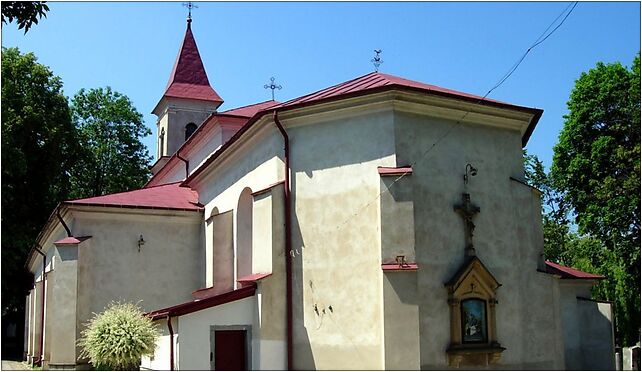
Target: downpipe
[
  {"x": 288, "y": 238},
  {"x": 41, "y": 352}
]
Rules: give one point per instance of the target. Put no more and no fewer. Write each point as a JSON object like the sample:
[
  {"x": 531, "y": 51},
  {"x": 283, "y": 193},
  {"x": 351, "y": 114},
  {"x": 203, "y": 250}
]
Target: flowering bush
[{"x": 118, "y": 337}]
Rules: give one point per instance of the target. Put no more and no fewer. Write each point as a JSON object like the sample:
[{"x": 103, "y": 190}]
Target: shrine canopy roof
[
  {"x": 168, "y": 196},
  {"x": 569, "y": 273}
]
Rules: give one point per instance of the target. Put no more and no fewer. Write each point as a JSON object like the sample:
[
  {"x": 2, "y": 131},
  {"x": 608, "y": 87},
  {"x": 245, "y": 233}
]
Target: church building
[{"x": 380, "y": 223}]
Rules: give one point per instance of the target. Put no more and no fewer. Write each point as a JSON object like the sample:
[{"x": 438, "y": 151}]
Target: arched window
[
  {"x": 161, "y": 143},
  {"x": 244, "y": 234},
  {"x": 189, "y": 130}
]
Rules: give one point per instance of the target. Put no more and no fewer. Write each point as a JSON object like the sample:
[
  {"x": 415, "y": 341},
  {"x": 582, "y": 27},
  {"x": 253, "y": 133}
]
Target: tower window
[
  {"x": 161, "y": 143},
  {"x": 189, "y": 130}
]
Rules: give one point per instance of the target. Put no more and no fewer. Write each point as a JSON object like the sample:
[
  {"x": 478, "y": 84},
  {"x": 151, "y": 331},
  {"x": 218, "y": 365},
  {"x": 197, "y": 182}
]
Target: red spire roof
[
  {"x": 188, "y": 78},
  {"x": 168, "y": 196}
]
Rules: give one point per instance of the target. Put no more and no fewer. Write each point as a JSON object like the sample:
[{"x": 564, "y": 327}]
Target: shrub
[{"x": 118, "y": 337}]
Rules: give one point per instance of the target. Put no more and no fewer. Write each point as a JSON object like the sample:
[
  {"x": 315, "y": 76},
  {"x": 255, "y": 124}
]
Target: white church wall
[
  {"x": 507, "y": 236},
  {"x": 195, "y": 328},
  {"x": 337, "y": 278},
  {"x": 160, "y": 361},
  {"x": 167, "y": 269}
]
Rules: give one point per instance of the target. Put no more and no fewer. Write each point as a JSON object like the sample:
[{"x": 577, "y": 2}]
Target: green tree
[
  {"x": 110, "y": 130},
  {"x": 26, "y": 13},
  {"x": 39, "y": 146},
  {"x": 118, "y": 337},
  {"x": 555, "y": 211},
  {"x": 596, "y": 165}
]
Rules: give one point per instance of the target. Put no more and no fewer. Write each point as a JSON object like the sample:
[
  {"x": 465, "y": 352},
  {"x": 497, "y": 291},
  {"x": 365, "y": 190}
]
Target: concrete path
[{"x": 12, "y": 365}]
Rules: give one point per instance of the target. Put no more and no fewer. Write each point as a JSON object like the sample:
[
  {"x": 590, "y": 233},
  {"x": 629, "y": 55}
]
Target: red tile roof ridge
[
  {"x": 250, "y": 105},
  {"x": 569, "y": 273},
  {"x": 175, "y": 196},
  {"x": 123, "y": 192}
]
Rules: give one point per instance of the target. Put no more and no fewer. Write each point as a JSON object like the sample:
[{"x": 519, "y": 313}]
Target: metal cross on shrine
[
  {"x": 189, "y": 5},
  {"x": 377, "y": 61},
  {"x": 272, "y": 86},
  {"x": 467, "y": 211}
]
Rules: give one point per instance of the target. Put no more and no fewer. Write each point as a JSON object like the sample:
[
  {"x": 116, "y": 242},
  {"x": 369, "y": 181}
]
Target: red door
[{"x": 230, "y": 350}]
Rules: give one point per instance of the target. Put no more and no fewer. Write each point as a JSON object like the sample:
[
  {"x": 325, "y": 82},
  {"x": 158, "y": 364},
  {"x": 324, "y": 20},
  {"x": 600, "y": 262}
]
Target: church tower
[{"x": 188, "y": 99}]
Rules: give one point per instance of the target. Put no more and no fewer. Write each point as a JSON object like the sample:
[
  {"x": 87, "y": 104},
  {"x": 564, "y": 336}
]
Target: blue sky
[{"x": 309, "y": 46}]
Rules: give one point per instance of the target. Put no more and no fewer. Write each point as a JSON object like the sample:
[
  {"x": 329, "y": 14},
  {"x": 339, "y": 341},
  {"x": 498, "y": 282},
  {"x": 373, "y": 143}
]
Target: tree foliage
[
  {"x": 26, "y": 13},
  {"x": 39, "y": 146},
  {"x": 118, "y": 337},
  {"x": 596, "y": 173},
  {"x": 110, "y": 129}
]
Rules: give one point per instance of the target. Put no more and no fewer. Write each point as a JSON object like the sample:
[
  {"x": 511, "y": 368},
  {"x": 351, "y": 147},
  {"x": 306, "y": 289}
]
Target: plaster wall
[
  {"x": 507, "y": 237},
  {"x": 62, "y": 321},
  {"x": 194, "y": 336},
  {"x": 161, "y": 358},
  {"x": 337, "y": 278},
  {"x": 177, "y": 114},
  {"x": 597, "y": 340},
  {"x": 220, "y": 243},
  {"x": 167, "y": 269}
]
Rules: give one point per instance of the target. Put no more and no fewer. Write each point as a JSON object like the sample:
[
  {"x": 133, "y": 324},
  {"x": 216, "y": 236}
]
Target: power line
[{"x": 505, "y": 77}]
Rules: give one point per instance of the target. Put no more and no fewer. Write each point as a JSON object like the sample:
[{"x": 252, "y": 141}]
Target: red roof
[
  {"x": 410, "y": 266},
  {"x": 568, "y": 272},
  {"x": 372, "y": 81},
  {"x": 168, "y": 196},
  {"x": 188, "y": 78},
  {"x": 72, "y": 240},
  {"x": 205, "y": 303},
  {"x": 394, "y": 171},
  {"x": 250, "y": 110}
]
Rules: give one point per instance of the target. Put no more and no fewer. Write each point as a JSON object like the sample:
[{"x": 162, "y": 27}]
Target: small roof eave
[{"x": 202, "y": 304}]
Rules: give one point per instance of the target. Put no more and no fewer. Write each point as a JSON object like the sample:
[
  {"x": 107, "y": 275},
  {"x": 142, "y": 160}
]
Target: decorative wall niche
[{"x": 472, "y": 299}]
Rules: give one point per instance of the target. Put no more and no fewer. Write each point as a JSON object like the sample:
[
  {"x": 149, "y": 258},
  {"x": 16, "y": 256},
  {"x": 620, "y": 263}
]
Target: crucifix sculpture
[{"x": 467, "y": 211}]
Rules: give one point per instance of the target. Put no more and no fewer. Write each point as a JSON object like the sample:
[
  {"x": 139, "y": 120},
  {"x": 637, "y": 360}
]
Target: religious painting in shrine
[{"x": 473, "y": 319}]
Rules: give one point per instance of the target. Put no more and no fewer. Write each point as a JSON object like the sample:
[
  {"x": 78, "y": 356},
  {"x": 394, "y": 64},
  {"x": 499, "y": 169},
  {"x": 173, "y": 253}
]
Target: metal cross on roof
[
  {"x": 272, "y": 86},
  {"x": 377, "y": 61},
  {"x": 189, "y": 5}
]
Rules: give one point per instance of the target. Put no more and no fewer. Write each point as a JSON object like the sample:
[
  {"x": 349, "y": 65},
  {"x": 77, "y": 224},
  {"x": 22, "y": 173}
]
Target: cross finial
[
  {"x": 377, "y": 61},
  {"x": 189, "y": 5},
  {"x": 272, "y": 86}
]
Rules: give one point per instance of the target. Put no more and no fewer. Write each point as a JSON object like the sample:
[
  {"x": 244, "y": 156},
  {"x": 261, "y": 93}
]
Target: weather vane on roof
[
  {"x": 189, "y": 5},
  {"x": 272, "y": 86},
  {"x": 377, "y": 61}
]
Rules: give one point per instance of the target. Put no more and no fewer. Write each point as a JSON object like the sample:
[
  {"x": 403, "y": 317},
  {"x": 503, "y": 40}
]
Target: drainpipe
[
  {"x": 41, "y": 356},
  {"x": 171, "y": 342},
  {"x": 288, "y": 236},
  {"x": 63, "y": 222},
  {"x": 178, "y": 155}
]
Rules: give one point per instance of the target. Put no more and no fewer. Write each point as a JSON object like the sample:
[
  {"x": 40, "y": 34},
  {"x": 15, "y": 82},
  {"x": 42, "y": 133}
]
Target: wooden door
[{"x": 230, "y": 350}]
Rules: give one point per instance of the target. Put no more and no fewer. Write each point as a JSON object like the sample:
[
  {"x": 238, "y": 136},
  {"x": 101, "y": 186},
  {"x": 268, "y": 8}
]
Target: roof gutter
[
  {"x": 62, "y": 221},
  {"x": 288, "y": 236},
  {"x": 178, "y": 155}
]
